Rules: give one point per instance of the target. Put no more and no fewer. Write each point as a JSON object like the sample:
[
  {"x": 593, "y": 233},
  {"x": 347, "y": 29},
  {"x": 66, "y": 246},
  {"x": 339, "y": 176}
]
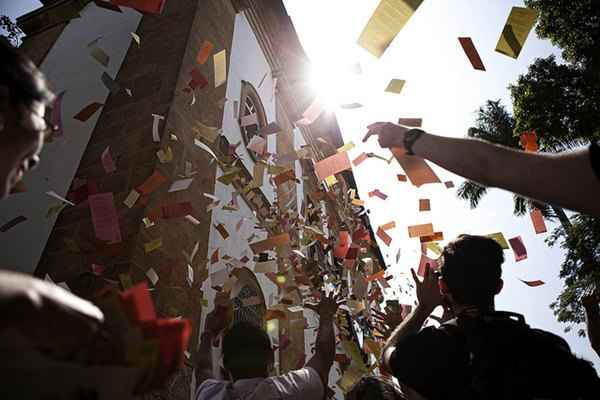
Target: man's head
[
  {"x": 23, "y": 99},
  {"x": 247, "y": 351},
  {"x": 471, "y": 271},
  {"x": 376, "y": 388}
]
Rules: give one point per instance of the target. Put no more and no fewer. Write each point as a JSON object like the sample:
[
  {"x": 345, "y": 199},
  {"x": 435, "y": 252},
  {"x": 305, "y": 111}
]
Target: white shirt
[{"x": 302, "y": 384}]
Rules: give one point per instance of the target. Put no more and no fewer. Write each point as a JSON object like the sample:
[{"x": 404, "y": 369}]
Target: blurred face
[{"x": 22, "y": 132}]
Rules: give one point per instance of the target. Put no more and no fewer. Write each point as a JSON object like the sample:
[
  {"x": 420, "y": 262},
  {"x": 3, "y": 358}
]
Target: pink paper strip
[{"x": 104, "y": 217}]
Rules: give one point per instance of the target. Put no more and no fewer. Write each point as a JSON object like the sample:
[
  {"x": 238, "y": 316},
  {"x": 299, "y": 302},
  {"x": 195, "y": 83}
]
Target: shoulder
[
  {"x": 430, "y": 343},
  {"x": 209, "y": 389},
  {"x": 301, "y": 383}
]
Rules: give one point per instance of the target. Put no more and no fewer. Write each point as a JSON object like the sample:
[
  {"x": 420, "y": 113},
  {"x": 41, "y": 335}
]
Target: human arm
[
  {"x": 51, "y": 318},
  {"x": 592, "y": 317},
  {"x": 429, "y": 297},
  {"x": 203, "y": 365},
  {"x": 324, "y": 355},
  {"x": 566, "y": 179}
]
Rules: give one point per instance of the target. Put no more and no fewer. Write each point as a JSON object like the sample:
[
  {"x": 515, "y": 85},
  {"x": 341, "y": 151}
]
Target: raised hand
[
  {"x": 327, "y": 307},
  {"x": 388, "y": 134},
  {"x": 428, "y": 291},
  {"x": 389, "y": 319}
]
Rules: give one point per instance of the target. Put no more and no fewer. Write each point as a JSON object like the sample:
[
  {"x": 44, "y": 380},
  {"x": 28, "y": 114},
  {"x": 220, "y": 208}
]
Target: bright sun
[{"x": 335, "y": 85}]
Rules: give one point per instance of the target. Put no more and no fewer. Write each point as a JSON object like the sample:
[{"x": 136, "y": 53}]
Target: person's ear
[{"x": 499, "y": 287}]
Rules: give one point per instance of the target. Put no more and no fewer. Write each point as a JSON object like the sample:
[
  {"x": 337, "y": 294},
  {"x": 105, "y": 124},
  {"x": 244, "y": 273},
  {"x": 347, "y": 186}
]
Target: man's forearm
[
  {"x": 410, "y": 326},
  {"x": 592, "y": 316},
  {"x": 325, "y": 344},
  {"x": 565, "y": 180},
  {"x": 203, "y": 362}
]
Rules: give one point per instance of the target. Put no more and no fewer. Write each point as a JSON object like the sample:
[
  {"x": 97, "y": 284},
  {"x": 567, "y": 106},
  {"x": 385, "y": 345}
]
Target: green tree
[
  {"x": 581, "y": 240},
  {"x": 559, "y": 102},
  {"x": 572, "y": 25},
  {"x": 495, "y": 124},
  {"x": 580, "y": 269}
]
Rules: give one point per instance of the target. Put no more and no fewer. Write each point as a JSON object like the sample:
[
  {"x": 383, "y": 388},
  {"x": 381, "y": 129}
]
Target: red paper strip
[
  {"x": 198, "y": 79},
  {"x": 87, "y": 111},
  {"x": 424, "y": 205},
  {"x": 471, "y": 52},
  {"x": 145, "y": 6},
  {"x": 269, "y": 243},
  {"x": 401, "y": 178},
  {"x": 137, "y": 303},
  {"x": 152, "y": 183},
  {"x": 533, "y": 283},
  {"x": 413, "y": 122},
  {"x": 518, "y": 248}
]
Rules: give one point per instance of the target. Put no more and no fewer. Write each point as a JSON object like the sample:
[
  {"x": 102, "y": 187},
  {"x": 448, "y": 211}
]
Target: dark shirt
[
  {"x": 595, "y": 158},
  {"x": 437, "y": 364}
]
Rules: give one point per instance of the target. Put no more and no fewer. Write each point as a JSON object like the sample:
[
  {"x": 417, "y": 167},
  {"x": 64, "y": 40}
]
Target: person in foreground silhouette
[{"x": 481, "y": 353}]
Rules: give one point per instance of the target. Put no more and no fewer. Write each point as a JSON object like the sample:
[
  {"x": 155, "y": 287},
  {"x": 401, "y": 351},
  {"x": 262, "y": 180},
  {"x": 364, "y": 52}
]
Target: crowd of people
[{"x": 476, "y": 352}]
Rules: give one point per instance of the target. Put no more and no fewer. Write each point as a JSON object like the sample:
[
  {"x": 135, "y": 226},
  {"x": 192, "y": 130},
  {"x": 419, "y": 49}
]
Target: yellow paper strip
[
  {"x": 385, "y": 23},
  {"x": 220, "y": 60}
]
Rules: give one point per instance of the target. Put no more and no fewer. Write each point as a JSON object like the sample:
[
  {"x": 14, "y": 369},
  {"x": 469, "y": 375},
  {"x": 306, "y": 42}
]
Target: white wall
[
  {"x": 68, "y": 66},
  {"x": 248, "y": 63}
]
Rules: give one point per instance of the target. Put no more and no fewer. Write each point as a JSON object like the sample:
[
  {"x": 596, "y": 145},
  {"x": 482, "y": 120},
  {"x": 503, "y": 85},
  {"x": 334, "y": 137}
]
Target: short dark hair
[
  {"x": 25, "y": 83},
  {"x": 246, "y": 350},
  {"x": 373, "y": 387},
  {"x": 472, "y": 268}
]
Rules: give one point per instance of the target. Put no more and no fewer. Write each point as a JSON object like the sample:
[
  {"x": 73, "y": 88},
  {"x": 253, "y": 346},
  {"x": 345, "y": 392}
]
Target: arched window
[
  {"x": 248, "y": 299},
  {"x": 250, "y": 104}
]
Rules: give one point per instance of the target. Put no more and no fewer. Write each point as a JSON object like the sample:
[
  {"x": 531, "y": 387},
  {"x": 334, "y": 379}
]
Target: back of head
[
  {"x": 472, "y": 269},
  {"x": 247, "y": 351},
  {"x": 20, "y": 77},
  {"x": 376, "y": 388}
]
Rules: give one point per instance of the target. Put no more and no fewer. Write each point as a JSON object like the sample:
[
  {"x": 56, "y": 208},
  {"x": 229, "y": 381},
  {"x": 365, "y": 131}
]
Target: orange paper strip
[
  {"x": 269, "y": 243},
  {"x": 538, "y": 221},
  {"x": 436, "y": 237},
  {"x": 88, "y": 111},
  {"x": 332, "y": 165},
  {"x": 358, "y": 160},
  {"x": 533, "y": 283},
  {"x": 204, "y": 53},
  {"x": 418, "y": 171},
  {"x": 420, "y": 230},
  {"x": 387, "y": 239},
  {"x": 376, "y": 276},
  {"x": 389, "y": 225},
  {"x": 424, "y": 205}
]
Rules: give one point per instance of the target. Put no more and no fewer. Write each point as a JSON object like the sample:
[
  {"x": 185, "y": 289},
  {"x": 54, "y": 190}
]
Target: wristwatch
[{"x": 410, "y": 138}]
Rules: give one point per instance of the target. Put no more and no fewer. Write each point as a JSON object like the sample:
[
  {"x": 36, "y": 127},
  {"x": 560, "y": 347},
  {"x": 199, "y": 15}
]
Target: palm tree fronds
[{"x": 472, "y": 192}]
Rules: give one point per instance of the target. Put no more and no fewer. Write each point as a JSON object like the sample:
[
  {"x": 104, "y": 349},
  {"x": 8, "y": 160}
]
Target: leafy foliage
[
  {"x": 11, "y": 31},
  {"x": 581, "y": 242},
  {"x": 559, "y": 102},
  {"x": 572, "y": 25}
]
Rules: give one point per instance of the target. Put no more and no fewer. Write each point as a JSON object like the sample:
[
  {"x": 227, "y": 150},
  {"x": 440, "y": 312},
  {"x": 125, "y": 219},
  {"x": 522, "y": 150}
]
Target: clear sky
[{"x": 443, "y": 89}]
